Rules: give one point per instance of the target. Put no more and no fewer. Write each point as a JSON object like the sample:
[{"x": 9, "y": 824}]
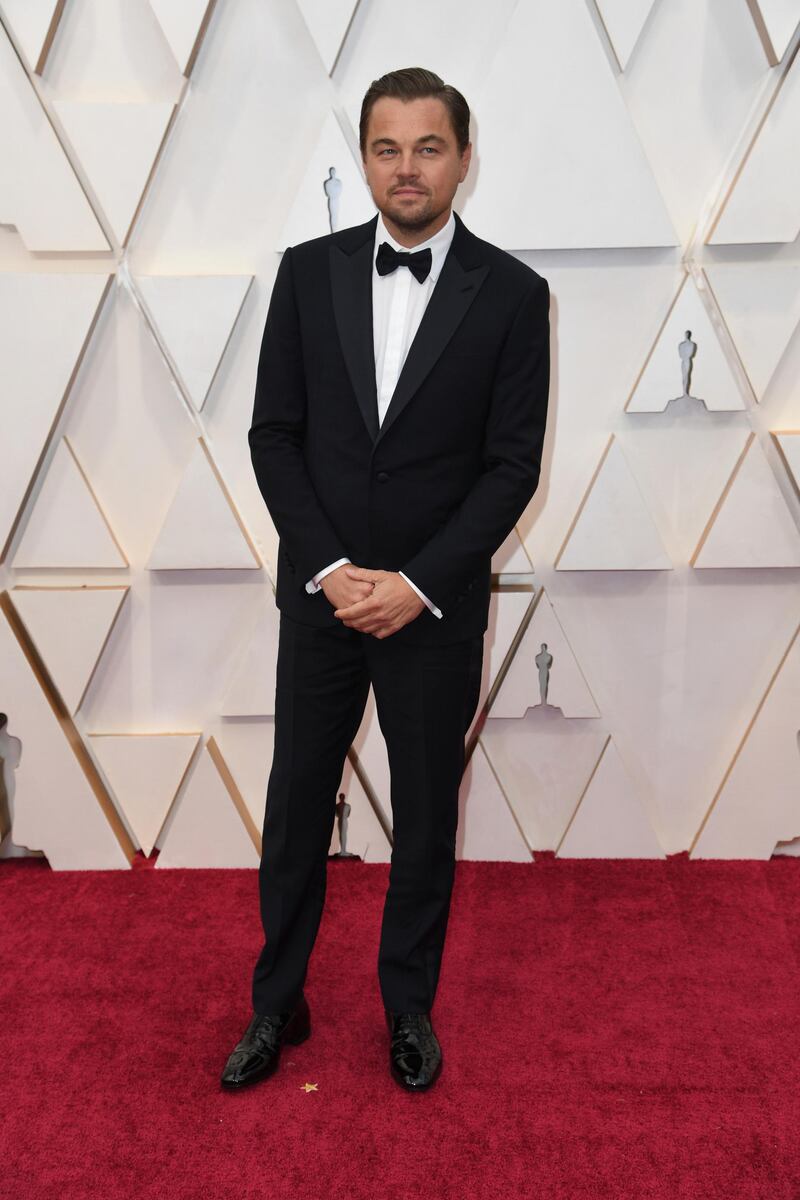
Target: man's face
[{"x": 411, "y": 161}]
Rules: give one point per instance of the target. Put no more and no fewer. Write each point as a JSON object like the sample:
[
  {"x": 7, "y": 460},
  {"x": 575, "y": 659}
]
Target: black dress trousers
[{"x": 426, "y": 697}]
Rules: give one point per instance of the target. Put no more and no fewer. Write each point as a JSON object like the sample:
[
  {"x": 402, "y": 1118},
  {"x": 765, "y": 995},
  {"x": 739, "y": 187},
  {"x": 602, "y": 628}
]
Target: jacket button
[{"x": 382, "y": 476}]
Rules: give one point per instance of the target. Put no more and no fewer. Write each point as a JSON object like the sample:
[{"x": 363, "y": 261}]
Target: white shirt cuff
[
  {"x": 437, "y": 612},
  {"x": 315, "y": 580}
]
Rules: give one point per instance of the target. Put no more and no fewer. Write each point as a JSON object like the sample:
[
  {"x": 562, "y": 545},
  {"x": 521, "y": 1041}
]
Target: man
[{"x": 397, "y": 431}]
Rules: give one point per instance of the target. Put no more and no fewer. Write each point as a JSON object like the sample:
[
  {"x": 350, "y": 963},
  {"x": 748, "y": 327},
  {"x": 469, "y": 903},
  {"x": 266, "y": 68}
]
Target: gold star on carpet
[{"x": 309, "y": 1087}]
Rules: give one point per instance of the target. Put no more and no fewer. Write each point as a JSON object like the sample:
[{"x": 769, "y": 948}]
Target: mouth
[{"x": 408, "y": 192}]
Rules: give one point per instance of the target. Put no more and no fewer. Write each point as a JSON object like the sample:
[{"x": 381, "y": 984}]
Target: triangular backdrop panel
[
  {"x": 69, "y": 627},
  {"x": 487, "y": 829},
  {"x": 764, "y": 204},
  {"x": 251, "y": 691},
  {"x": 183, "y": 26},
  {"x": 246, "y": 746},
  {"x": 144, "y": 771},
  {"x": 711, "y": 379},
  {"x": 543, "y": 762},
  {"x": 758, "y": 804},
  {"x": 55, "y": 808},
  {"x": 567, "y": 689},
  {"x": 687, "y": 461},
  {"x": 588, "y": 142},
  {"x": 117, "y": 143},
  {"x": 610, "y": 821},
  {"x": 194, "y": 316},
  {"x": 202, "y": 530},
  {"x": 788, "y": 442},
  {"x": 613, "y": 529},
  {"x": 67, "y": 527},
  {"x": 46, "y": 321},
  {"x": 752, "y": 526},
  {"x": 350, "y": 200},
  {"x": 327, "y": 21},
  {"x": 780, "y": 19},
  {"x": 204, "y": 828},
  {"x": 511, "y": 558},
  {"x": 624, "y": 21},
  {"x": 34, "y": 24},
  {"x": 761, "y": 306},
  {"x": 35, "y": 169}
]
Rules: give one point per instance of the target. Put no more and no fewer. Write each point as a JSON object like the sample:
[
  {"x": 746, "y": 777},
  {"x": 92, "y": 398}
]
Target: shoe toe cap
[
  {"x": 242, "y": 1066},
  {"x": 414, "y": 1069}
]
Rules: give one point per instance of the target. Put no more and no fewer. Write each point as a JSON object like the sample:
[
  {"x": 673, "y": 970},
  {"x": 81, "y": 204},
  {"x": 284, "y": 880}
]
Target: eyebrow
[{"x": 428, "y": 137}]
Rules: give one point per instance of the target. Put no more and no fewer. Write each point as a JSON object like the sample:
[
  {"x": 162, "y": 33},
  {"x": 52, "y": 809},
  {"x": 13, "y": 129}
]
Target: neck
[{"x": 412, "y": 237}]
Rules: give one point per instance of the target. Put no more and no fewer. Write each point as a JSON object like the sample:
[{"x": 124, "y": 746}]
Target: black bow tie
[{"x": 418, "y": 263}]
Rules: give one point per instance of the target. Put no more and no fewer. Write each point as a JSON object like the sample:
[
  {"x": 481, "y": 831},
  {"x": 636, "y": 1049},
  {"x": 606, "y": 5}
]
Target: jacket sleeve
[
  {"x": 515, "y": 427},
  {"x": 277, "y": 433}
]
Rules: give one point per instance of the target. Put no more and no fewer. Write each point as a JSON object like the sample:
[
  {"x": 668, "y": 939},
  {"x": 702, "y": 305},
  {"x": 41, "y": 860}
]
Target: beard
[{"x": 414, "y": 219}]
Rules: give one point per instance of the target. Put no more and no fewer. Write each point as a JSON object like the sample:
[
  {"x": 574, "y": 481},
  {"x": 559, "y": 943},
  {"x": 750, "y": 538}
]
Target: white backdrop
[{"x": 640, "y": 154}]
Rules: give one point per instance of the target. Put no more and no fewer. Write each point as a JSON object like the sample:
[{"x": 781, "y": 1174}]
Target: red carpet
[{"x": 609, "y": 1029}]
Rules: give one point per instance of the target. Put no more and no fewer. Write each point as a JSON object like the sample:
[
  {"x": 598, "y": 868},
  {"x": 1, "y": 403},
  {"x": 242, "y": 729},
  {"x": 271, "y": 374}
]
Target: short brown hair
[{"x": 412, "y": 83}]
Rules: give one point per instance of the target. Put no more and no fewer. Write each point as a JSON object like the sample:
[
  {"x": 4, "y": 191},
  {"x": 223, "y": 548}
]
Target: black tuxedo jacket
[{"x": 438, "y": 486}]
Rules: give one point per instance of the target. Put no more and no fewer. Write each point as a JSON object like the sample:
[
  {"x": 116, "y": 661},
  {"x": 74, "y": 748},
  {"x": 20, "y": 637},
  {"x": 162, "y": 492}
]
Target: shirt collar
[{"x": 439, "y": 243}]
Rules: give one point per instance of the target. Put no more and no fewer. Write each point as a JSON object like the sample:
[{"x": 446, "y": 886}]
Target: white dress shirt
[{"x": 398, "y": 302}]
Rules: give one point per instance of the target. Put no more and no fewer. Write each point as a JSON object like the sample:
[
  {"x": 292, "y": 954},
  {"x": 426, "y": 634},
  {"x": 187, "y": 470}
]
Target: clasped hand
[{"x": 376, "y": 602}]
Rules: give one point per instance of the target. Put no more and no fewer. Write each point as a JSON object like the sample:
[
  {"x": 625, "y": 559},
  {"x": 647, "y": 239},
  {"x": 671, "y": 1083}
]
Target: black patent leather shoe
[
  {"x": 258, "y": 1053},
  {"x": 415, "y": 1056}
]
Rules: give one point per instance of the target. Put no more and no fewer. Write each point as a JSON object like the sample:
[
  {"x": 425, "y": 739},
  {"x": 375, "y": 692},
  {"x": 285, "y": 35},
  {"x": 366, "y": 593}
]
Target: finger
[
  {"x": 363, "y": 573},
  {"x": 353, "y": 610},
  {"x": 359, "y": 619},
  {"x": 368, "y": 627},
  {"x": 361, "y": 626}
]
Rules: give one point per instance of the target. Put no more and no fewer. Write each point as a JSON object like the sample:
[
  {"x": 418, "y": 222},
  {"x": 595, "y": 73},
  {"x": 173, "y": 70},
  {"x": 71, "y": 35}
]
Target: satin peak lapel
[{"x": 351, "y": 283}]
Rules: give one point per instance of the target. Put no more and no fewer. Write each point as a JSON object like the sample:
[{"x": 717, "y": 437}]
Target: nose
[{"x": 406, "y": 169}]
